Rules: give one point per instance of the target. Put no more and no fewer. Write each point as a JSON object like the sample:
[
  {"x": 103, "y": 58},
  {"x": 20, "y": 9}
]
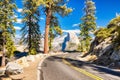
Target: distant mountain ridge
[{"x": 66, "y": 42}]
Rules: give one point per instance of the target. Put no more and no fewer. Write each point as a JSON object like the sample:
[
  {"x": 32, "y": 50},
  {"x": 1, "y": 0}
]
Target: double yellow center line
[{"x": 82, "y": 70}]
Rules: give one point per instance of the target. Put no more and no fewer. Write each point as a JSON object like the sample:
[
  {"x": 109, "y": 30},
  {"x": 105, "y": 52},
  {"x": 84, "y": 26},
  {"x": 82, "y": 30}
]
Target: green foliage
[
  {"x": 112, "y": 30},
  {"x": 30, "y": 32},
  {"x": 7, "y": 29},
  {"x": 32, "y": 51},
  {"x": 104, "y": 33},
  {"x": 57, "y": 6},
  {"x": 10, "y": 46},
  {"x": 115, "y": 23},
  {"x": 88, "y": 25}
]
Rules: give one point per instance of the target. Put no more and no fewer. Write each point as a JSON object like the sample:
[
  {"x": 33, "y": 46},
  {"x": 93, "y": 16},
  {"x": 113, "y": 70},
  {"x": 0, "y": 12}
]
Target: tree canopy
[
  {"x": 88, "y": 24},
  {"x": 31, "y": 30}
]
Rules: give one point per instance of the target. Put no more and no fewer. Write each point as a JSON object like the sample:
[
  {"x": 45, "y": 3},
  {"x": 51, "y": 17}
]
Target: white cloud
[
  {"x": 19, "y": 20},
  {"x": 117, "y": 14},
  {"x": 76, "y": 31},
  {"x": 19, "y": 10},
  {"x": 76, "y": 25},
  {"x": 42, "y": 18},
  {"x": 17, "y": 28}
]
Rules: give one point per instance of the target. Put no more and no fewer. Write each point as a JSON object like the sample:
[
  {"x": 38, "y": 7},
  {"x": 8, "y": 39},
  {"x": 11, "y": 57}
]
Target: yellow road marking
[{"x": 82, "y": 70}]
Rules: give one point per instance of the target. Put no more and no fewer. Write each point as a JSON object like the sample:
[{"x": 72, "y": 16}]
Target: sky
[{"x": 105, "y": 11}]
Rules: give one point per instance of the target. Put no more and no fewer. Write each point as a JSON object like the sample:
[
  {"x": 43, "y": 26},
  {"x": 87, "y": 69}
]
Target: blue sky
[{"x": 105, "y": 11}]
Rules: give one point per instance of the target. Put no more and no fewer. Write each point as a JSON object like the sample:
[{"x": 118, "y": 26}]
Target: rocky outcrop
[
  {"x": 13, "y": 68},
  {"x": 23, "y": 62},
  {"x": 2, "y": 70},
  {"x": 106, "y": 52},
  {"x": 71, "y": 42},
  {"x": 57, "y": 43},
  {"x": 65, "y": 42},
  {"x": 106, "y": 45}
]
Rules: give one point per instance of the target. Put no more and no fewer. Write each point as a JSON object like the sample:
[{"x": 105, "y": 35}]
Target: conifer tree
[
  {"x": 52, "y": 7},
  {"x": 7, "y": 29},
  {"x": 114, "y": 26},
  {"x": 88, "y": 24},
  {"x": 30, "y": 31}
]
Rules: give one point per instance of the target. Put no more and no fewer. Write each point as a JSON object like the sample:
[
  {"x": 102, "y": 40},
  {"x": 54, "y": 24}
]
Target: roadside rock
[
  {"x": 13, "y": 68},
  {"x": 31, "y": 58},
  {"x": 2, "y": 70},
  {"x": 106, "y": 52},
  {"x": 22, "y": 62}
]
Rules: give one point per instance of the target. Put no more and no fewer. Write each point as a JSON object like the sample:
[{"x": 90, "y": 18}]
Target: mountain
[{"x": 67, "y": 42}]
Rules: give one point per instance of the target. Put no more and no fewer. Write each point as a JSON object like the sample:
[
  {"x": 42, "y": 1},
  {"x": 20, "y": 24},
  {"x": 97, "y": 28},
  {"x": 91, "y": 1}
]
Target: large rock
[
  {"x": 13, "y": 68},
  {"x": 71, "y": 42},
  {"x": 22, "y": 62},
  {"x": 31, "y": 58},
  {"x": 105, "y": 50},
  {"x": 5, "y": 78},
  {"x": 2, "y": 70},
  {"x": 57, "y": 43}
]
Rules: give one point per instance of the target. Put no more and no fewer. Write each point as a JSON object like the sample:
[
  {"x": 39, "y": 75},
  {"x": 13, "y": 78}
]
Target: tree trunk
[
  {"x": 29, "y": 34},
  {"x": 3, "y": 60},
  {"x": 48, "y": 18},
  {"x": 3, "y": 55},
  {"x": 50, "y": 44}
]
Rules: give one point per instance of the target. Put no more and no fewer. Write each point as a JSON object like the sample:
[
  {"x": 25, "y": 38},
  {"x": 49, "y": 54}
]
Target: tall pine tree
[
  {"x": 30, "y": 31},
  {"x": 88, "y": 25},
  {"x": 7, "y": 29},
  {"x": 52, "y": 7}
]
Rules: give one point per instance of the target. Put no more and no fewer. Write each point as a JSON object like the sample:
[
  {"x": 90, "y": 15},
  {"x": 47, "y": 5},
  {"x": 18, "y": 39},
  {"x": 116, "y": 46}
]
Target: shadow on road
[
  {"x": 106, "y": 70},
  {"x": 81, "y": 64}
]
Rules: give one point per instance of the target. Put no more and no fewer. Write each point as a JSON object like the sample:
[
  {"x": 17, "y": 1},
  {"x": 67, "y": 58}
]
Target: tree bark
[
  {"x": 48, "y": 18},
  {"x": 3, "y": 55},
  {"x": 29, "y": 34},
  {"x": 3, "y": 60}
]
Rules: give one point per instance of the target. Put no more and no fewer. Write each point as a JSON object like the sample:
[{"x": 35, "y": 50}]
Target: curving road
[{"x": 67, "y": 67}]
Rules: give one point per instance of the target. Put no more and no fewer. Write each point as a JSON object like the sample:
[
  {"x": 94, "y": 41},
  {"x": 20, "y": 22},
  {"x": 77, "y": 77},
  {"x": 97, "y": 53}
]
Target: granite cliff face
[
  {"x": 67, "y": 42},
  {"x": 70, "y": 42},
  {"x": 106, "y": 45},
  {"x": 106, "y": 53}
]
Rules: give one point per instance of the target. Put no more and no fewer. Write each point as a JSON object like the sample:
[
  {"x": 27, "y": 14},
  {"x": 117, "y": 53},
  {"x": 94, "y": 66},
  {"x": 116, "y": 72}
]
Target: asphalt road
[{"x": 67, "y": 67}]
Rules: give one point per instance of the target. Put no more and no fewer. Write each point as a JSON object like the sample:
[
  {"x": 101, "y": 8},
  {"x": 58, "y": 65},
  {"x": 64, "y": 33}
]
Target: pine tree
[
  {"x": 88, "y": 24},
  {"x": 54, "y": 30},
  {"x": 52, "y": 7},
  {"x": 7, "y": 29},
  {"x": 114, "y": 27},
  {"x": 30, "y": 31}
]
